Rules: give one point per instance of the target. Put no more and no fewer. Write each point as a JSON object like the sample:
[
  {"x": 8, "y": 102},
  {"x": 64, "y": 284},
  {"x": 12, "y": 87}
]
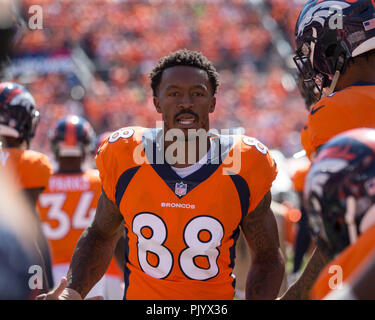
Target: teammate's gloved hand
[{"x": 63, "y": 293}]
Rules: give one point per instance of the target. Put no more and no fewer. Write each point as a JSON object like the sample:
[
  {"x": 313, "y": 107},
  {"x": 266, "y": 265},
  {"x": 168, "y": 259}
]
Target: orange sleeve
[
  {"x": 299, "y": 177},
  {"x": 306, "y": 142},
  {"x": 259, "y": 170},
  {"x": 262, "y": 179},
  {"x": 35, "y": 170},
  {"x": 115, "y": 154},
  {"x": 105, "y": 162}
]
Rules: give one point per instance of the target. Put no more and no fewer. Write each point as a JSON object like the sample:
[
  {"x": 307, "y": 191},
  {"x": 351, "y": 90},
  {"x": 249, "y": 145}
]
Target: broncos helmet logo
[{"x": 319, "y": 13}]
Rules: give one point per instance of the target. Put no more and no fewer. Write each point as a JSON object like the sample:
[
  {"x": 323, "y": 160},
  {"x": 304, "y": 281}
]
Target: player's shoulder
[
  {"x": 250, "y": 153},
  {"x": 122, "y": 139},
  {"x": 121, "y": 150},
  {"x": 31, "y": 157},
  {"x": 361, "y": 90},
  {"x": 351, "y": 96},
  {"x": 34, "y": 168},
  {"x": 251, "y": 146},
  {"x": 323, "y": 105}
]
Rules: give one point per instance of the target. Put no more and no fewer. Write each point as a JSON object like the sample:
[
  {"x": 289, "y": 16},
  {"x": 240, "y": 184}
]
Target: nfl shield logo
[{"x": 180, "y": 189}]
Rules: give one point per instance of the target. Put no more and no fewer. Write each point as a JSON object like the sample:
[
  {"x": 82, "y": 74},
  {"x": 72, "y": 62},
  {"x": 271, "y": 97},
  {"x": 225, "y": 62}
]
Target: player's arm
[
  {"x": 98, "y": 240},
  {"x": 300, "y": 289},
  {"x": 120, "y": 251},
  {"x": 267, "y": 268}
]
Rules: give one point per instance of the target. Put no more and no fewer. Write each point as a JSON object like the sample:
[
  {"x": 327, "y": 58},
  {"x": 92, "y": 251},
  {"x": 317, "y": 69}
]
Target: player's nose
[{"x": 186, "y": 102}]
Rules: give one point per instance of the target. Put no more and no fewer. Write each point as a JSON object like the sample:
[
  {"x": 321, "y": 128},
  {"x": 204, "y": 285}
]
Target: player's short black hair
[{"x": 184, "y": 57}]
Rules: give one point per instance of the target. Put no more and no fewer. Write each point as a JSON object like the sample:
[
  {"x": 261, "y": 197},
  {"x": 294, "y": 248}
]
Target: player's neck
[
  {"x": 185, "y": 152},
  {"x": 70, "y": 165},
  {"x": 358, "y": 72}
]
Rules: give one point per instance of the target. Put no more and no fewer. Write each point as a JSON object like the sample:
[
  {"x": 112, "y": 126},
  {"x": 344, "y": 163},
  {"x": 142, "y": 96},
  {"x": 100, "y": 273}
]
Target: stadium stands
[{"x": 121, "y": 40}]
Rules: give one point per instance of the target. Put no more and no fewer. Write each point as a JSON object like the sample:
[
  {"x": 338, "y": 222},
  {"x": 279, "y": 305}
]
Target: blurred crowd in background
[{"x": 117, "y": 43}]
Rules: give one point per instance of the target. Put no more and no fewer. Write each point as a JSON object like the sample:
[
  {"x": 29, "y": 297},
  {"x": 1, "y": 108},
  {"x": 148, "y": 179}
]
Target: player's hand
[{"x": 61, "y": 292}]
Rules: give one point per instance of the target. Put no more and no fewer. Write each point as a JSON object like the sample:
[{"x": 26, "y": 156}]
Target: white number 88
[{"x": 195, "y": 247}]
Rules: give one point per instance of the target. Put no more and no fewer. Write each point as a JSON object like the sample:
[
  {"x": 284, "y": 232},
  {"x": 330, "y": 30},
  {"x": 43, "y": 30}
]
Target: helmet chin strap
[
  {"x": 335, "y": 78},
  {"x": 332, "y": 87}
]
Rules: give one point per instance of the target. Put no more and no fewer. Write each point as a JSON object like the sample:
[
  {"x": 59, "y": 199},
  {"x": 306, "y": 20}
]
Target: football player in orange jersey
[
  {"x": 18, "y": 121},
  {"x": 335, "y": 53},
  {"x": 340, "y": 201},
  {"x": 67, "y": 206},
  {"x": 182, "y": 220},
  {"x": 337, "y": 61}
]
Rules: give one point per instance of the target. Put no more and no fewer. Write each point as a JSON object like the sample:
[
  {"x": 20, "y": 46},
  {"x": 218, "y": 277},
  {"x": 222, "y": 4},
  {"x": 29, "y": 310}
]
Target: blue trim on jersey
[
  {"x": 363, "y": 83},
  {"x": 126, "y": 269},
  {"x": 123, "y": 182},
  {"x": 243, "y": 193},
  {"x": 232, "y": 252},
  {"x": 357, "y": 84},
  {"x": 153, "y": 145}
]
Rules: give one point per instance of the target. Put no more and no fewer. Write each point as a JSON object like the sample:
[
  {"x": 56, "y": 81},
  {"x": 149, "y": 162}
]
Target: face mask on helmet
[
  {"x": 328, "y": 33},
  {"x": 316, "y": 83},
  {"x": 308, "y": 91},
  {"x": 18, "y": 116},
  {"x": 73, "y": 136},
  {"x": 340, "y": 190}
]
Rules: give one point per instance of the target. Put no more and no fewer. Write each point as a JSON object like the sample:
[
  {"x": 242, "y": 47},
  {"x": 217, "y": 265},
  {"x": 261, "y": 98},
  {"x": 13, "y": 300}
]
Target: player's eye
[
  {"x": 198, "y": 94},
  {"x": 173, "y": 94}
]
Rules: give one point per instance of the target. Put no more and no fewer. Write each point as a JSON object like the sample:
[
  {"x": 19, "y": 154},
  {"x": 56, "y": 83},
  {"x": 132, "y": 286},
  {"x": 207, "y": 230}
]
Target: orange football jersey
[
  {"x": 67, "y": 206},
  {"x": 299, "y": 177},
  {"x": 32, "y": 169},
  {"x": 180, "y": 230},
  {"x": 305, "y": 141},
  {"x": 350, "y": 108},
  {"x": 349, "y": 261}
]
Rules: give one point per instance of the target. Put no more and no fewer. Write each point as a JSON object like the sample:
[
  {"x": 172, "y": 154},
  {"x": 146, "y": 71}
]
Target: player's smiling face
[{"x": 185, "y": 98}]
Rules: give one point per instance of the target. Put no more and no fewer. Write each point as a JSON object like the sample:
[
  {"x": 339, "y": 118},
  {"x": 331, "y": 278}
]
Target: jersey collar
[{"x": 153, "y": 145}]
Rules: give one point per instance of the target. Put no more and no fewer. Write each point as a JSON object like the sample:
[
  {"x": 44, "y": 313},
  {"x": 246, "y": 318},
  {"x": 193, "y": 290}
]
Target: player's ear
[
  {"x": 213, "y": 105},
  {"x": 156, "y": 104}
]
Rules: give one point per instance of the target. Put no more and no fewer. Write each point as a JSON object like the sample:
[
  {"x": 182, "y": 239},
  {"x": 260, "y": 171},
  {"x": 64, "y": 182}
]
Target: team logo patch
[{"x": 180, "y": 189}]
